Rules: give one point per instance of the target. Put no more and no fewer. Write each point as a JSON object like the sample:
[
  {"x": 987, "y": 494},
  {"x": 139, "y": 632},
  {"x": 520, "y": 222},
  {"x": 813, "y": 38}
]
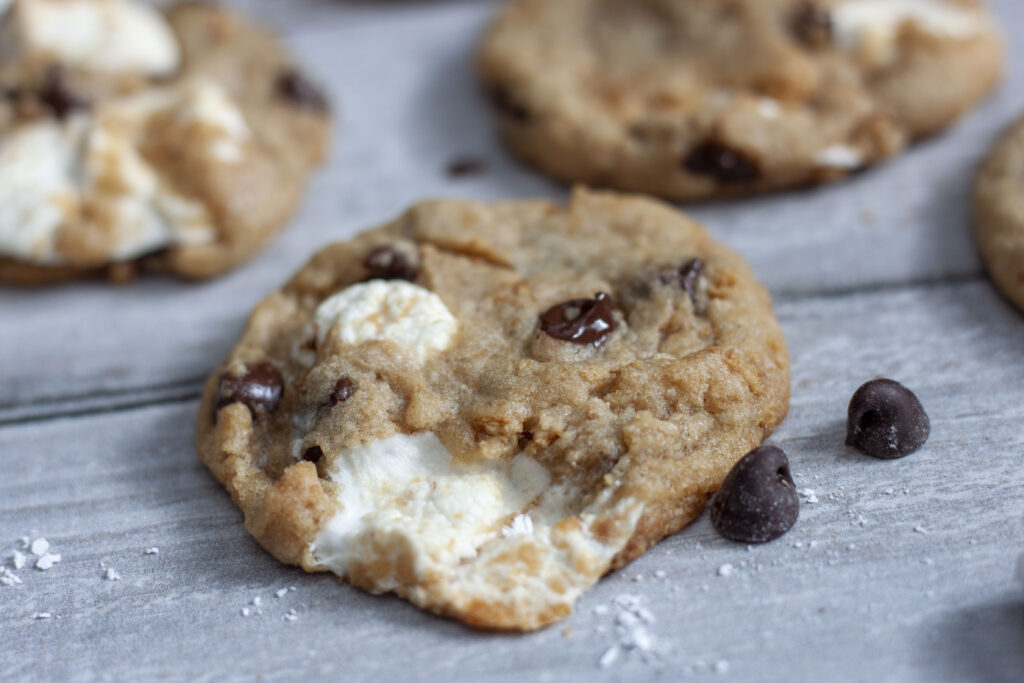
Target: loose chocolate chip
[
  {"x": 387, "y": 263},
  {"x": 343, "y": 390},
  {"x": 260, "y": 389},
  {"x": 885, "y": 420},
  {"x": 313, "y": 454},
  {"x": 462, "y": 167},
  {"x": 57, "y": 95},
  {"x": 581, "y": 321},
  {"x": 685, "y": 277},
  {"x": 725, "y": 165},
  {"x": 296, "y": 89},
  {"x": 812, "y": 25},
  {"x": 508, "y": 107},
  {"x": 757, "y": 501}
]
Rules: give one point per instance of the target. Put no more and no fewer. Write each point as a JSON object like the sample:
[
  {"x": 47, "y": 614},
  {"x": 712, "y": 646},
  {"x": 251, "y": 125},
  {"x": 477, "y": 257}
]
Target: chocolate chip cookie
[
  {"x": 710, "y": 98},
  {"x": 999, "y": 213},
  {"x": 486, "y": 407},
  {"x": 177, "y": 140}
]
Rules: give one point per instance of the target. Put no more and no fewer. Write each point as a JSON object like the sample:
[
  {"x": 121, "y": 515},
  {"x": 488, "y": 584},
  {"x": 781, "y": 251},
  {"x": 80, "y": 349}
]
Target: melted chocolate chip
[
  {"x": 757, "y": 501},
  {"x": 297, "y": 90},
  {"x": 313, "y": 454},
  {"x": 57, "y": 95},
  {"x": 387, "y": 263},
  {"x": 725, "y": 165},
  {"x": 685, "y": 277},
  {"x": 260, "y": 389},
  {"x": 812, "y": 25},
  {"x": 508, "y": 107},
  {"x": 581, "y": 321},
  {"x": 886, "y": 420},
  {"x": 343, "y": 390},
  {"x": 463, "y": 167}
]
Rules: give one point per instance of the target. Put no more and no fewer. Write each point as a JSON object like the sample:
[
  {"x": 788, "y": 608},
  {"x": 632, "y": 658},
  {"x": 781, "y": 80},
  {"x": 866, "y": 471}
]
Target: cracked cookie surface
[
  {"x": 486, "y": 407},
  {"x": 706, "y": 98},
  {"x": 131, "y": 137},
  {"x": 999, "y": 213}
]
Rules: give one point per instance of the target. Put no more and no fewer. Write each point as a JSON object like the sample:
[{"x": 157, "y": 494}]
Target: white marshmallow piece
[
  {"x": 48, "y": 169},
  {"x": 120, "y": 37},
  {"x": 839, "y": 156},
  {"x": 388, "y": 310},
  {"x": 872, "y": 26}
]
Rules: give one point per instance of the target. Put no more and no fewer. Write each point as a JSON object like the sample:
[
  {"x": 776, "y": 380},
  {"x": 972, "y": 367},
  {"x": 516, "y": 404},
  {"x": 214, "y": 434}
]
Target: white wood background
[{"x": 875, "y": 276}]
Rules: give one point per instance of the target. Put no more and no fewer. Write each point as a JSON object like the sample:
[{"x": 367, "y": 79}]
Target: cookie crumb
[
  {"x": 257, "y": 601},
  {"x": 42, "y": 615},
  {"x": 39, "y": 547},
  {"x": 726, "y": 569},
  {"x": 111, "y": 575},
  {"x": 920, "y": 530},
  {"x": 151, "y": 551},
  {"x": 281, "y": 593},
  {"x": 660, "y": 574},
  {"x": 245, "y": 611},
  {"x": 291, "y": 616}
]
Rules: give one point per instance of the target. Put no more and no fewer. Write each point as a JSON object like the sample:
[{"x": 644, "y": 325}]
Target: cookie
[
  {"x": 999, "y": 213},
  {"x": 710, "y": 98},
  {"x": 485, "y": 408},
  {"x": 135, "y": 138}
]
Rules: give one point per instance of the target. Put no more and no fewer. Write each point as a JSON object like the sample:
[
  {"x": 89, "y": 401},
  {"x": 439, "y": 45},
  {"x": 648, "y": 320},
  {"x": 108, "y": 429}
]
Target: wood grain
[{"x": 876, "y": 276}]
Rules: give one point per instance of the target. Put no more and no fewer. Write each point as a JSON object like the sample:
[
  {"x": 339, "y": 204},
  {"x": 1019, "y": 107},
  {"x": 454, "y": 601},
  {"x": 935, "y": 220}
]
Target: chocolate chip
[
  {"x": 725, "y": 165},
  {"x": 886, "y": 420},
  {"x": 313, "y": 454},
  {"x": 685, "y": 277},
  {"x": 757, "y": 501},
  {"x": 463, "y": 167},
  {"x": 581, "y": 321},
  {"x": 260, "y": 389},
  {"x": 57, "y": 95},
  {"x": 505, "y": 105},
  {"x": 343, "y": 390},
  {"x": 387, "y": 263},
  {"x": 296, "y": 89},
  {"x": 812, "y": 25}
]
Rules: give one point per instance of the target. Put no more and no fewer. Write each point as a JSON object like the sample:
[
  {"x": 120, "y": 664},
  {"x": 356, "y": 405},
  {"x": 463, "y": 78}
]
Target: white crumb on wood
[
  {"x": 810, "y": 496},
  {"x": 609, "y": 657},
  {"x": 660, "y": 574},
  {"x": 151, "y": 551},
  {"x": 8, "y": 578},
  {"x": 257, "y": 601},
  {"x": 726, "y": 569},
  {"x": 47, "y": 561},
  {"x": 920, "y": 530},
  {"x": 42, "y": 615},
  {"x": 291, "y": 616},
  {"x": 39, "y": 547},
  {"x": 111, "y": 575},
  {"x": 281, "y": 593},
  {"x": 245, "y": 611},
  {"x": 18, "y": 559}
]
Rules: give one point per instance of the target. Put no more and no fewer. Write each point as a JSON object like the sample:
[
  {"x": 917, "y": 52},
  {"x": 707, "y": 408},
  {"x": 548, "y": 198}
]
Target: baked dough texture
[
  {"x": 709, "y": 98},
  {"x": 177, "y": 140},
  {"x": 999, "y": 213},
  {"x": 485, "y": 407}
]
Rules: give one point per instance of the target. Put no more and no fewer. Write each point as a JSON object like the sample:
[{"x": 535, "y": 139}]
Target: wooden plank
[
  {"x": 853, "y": 592},
  {"x": 401, "y": 75}
]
